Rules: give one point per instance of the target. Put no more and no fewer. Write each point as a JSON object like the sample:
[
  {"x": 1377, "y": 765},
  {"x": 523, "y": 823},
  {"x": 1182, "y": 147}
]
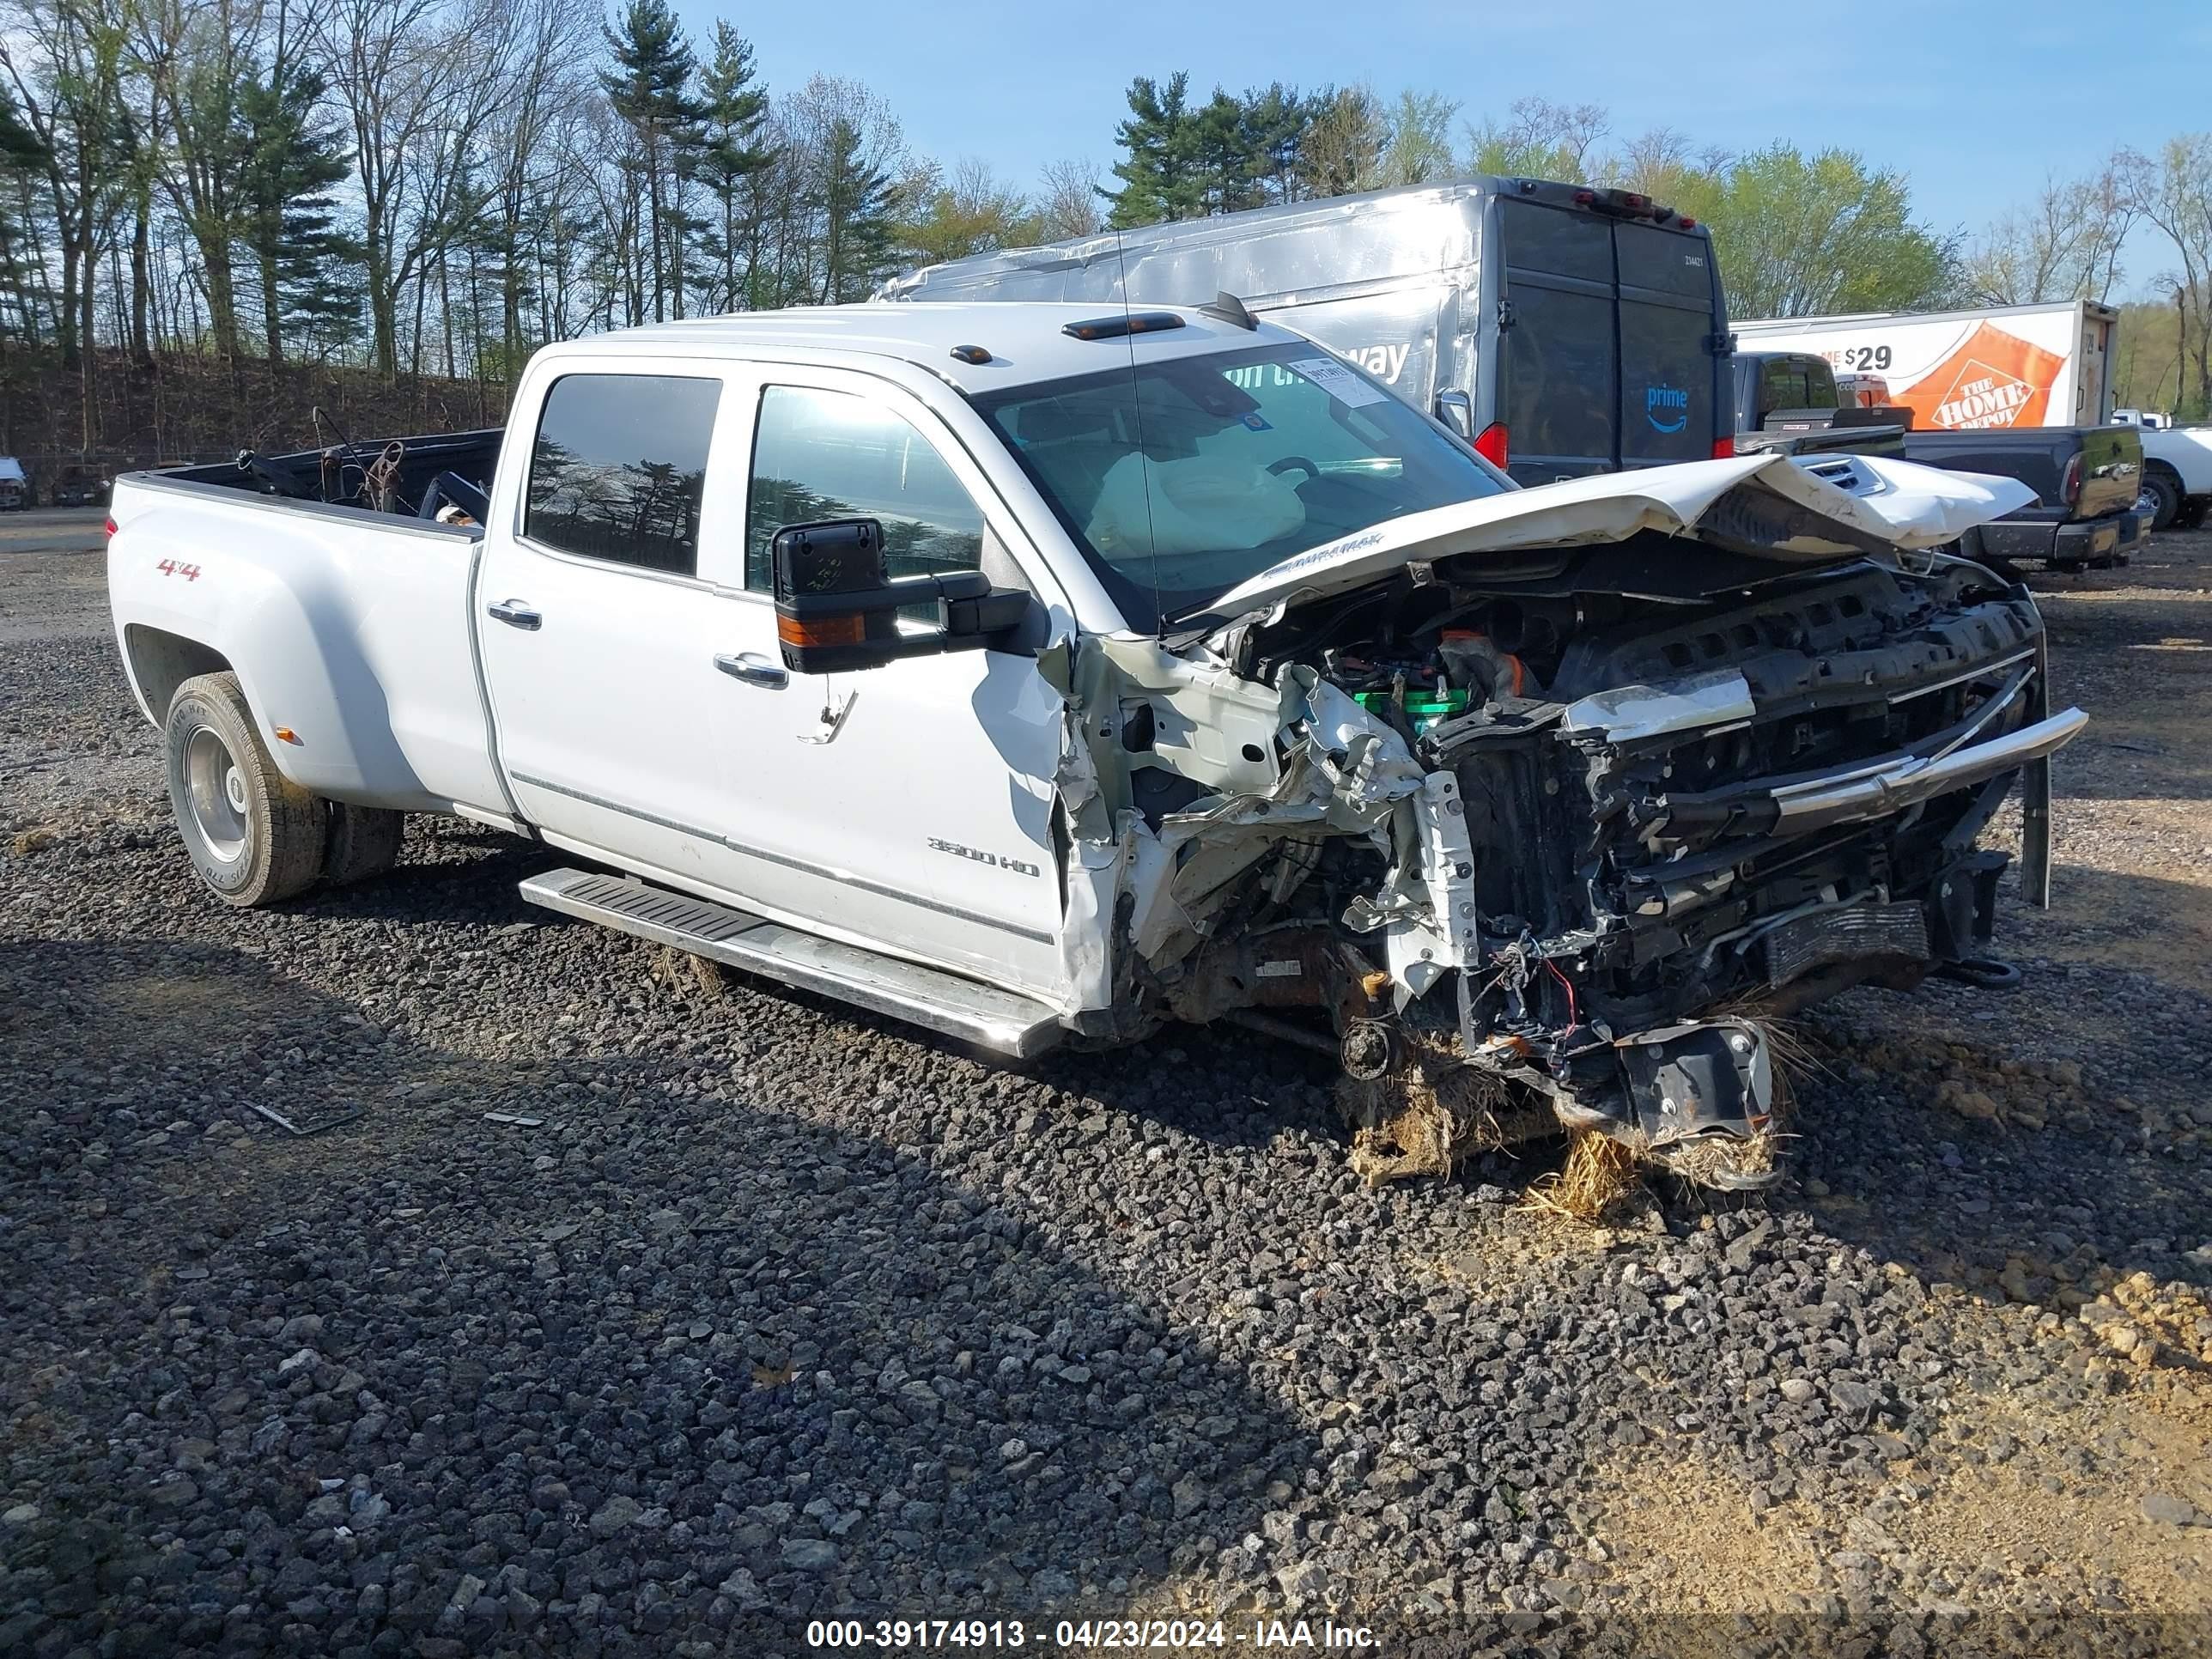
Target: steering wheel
[{"x": 1289, "y": 461}]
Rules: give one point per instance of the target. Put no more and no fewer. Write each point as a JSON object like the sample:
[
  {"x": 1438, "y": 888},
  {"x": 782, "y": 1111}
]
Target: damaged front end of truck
[{"x": 1534, "y": 812}]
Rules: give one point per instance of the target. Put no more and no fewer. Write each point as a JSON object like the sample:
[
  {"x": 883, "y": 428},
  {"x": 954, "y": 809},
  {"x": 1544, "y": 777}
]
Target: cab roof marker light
[
  {"x": 972, "y": 354},
  {"x": 1115, "y": 328}
]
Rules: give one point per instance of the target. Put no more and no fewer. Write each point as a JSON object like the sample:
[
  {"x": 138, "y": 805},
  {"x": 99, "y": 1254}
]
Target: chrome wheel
[{"x": 216, "y": 790}]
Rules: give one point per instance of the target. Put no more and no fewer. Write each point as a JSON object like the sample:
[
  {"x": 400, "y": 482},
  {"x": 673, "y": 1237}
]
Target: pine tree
[
  {"x": 1226, "y": 155},
  {"x": 1276, "y": 120},
  {"x": 1160, "y": 178},
  {"x": 650, "y": 89},
  {"x": 731, "y": 151},
  {"x": 858, "y": 204},
  {"x": 22, "y": 159},
  {"x": 293, "y": 156}
]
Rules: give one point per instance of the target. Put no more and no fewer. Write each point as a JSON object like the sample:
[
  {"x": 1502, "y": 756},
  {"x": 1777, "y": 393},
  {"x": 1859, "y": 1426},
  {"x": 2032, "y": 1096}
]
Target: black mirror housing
[{"x": 837, "y": 608}]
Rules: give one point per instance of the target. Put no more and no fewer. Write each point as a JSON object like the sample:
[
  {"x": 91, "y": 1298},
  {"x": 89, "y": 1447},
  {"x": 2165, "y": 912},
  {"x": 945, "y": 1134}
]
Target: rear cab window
[{"x": 618, "y": 469}]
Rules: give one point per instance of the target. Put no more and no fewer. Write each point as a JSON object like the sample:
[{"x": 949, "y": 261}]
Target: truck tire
[
  {"x": 2162, "y": 491},
  {"x": 363, "y": 841},
  {"x": 254, "y": 836}
]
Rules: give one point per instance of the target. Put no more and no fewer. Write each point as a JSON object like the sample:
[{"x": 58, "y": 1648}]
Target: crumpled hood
[{"x": 1896, "y": 503}]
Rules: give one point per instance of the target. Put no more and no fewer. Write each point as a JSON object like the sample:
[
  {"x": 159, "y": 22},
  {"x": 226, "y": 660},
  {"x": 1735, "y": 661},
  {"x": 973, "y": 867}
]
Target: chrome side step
[{"x": 980, "y": 1014}]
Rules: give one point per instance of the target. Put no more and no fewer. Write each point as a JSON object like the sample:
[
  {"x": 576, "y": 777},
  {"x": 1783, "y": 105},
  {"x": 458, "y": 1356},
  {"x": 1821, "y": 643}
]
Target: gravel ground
[{"x": 775, "y": 1312}]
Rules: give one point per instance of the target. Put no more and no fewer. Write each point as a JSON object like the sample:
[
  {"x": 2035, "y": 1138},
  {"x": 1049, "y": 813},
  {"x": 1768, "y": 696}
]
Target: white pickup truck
[
  {"x": 2177, "y": 484},
  {"x": 1027, "y": 673}
]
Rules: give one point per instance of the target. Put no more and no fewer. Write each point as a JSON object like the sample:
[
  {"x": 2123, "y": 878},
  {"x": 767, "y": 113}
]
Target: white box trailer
[{"x": 2048, "y": 364}]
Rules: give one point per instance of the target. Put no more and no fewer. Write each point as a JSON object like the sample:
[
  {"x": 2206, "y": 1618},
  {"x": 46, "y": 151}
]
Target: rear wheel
[
  {"x": 364, "y": 842},
  {"x": 254, "y": 836},
  {"x": 2161, "y": 493}
]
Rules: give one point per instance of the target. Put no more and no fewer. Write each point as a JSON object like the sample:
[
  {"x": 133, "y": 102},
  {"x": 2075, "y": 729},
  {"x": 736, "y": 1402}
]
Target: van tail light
[
  {"x": 1491, "y": 446},
  {"x": 1725, "y": 448},
  {"x": 2071, "y": 486},
  {"x": 111, "y": 527}
]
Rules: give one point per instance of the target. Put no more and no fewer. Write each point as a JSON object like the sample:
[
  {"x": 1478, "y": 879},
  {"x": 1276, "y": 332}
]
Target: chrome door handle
[
  {"x": 754, "y": 670},
  {"x": 516, "y": 613}
]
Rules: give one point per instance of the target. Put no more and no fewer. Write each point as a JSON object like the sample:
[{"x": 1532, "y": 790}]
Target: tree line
[{"x": 436, "y": 187}]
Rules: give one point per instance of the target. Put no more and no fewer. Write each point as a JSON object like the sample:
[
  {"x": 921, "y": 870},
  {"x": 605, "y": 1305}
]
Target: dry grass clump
[
  {"x": 1432, "y": 1111},
  {"x": 1599, "y": 1173}
]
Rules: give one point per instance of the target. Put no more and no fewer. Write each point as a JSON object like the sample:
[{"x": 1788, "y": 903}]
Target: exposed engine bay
[{"x": 1545, "y": 843}]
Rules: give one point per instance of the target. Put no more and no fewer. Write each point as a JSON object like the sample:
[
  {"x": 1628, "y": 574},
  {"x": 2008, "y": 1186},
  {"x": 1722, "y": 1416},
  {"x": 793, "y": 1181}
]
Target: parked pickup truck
[
  {"x": 2177, "y": 475},
  {"x": 1030, "y": 672},
  {"x": 2086, "y": 480}
]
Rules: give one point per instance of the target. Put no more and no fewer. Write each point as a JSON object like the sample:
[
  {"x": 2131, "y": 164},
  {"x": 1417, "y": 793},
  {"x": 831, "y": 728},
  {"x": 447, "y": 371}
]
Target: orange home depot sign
[{"x": 1993, "y": 378}]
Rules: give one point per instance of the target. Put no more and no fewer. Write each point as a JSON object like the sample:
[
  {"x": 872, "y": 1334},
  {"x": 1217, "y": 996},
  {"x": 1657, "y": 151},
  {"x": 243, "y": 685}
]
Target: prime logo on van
[{"x": 1666, "y": 407}]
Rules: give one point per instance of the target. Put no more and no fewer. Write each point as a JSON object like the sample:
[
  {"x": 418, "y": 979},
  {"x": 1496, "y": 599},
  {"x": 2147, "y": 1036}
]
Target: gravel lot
[{"x": 777, "y": 1311}]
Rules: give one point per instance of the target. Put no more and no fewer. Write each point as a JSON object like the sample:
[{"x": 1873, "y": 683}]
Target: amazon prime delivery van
[{"x": 1564, "y": 328}]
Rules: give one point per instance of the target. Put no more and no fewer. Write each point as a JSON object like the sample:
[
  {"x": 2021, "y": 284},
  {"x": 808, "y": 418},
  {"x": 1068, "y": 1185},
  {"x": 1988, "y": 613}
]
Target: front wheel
[{"x": 254, "y": 836}]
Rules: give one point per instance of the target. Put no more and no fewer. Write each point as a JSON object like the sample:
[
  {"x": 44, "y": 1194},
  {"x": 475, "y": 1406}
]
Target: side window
[
  {"x": 617, "y": 468},
  {"x": 832, "y": 455}
]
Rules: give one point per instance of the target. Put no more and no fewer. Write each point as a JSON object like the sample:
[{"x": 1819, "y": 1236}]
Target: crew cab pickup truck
[
  {"x": 2177, "y": 475},
  {"x": 2086, "y": 480},
  {"x": 1030, "y": 672},
  {"x": 2094, "y": 500}
]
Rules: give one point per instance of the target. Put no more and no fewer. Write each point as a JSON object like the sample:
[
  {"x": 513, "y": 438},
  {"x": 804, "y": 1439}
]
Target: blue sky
[{"x": 1975, "y": 101}]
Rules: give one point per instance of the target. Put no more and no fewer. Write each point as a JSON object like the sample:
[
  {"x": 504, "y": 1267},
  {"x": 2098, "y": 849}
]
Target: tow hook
[{"x": 1983, "y": 973}]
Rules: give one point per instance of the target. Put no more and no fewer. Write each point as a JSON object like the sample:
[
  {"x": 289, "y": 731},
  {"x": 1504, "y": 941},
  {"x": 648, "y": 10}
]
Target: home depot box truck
[{"x": 2048, "y": 364}]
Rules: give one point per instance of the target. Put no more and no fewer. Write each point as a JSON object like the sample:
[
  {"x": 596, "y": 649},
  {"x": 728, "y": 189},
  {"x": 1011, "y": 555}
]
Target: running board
[{"x": 980, "y": 1014}]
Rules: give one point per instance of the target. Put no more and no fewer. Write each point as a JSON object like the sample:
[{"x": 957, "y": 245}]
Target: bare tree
[
  {"x": 1343, "y": 148},
  {"x": 548, "y": 82},
  {"x": 2063, "y": 244},
  {"x": 68, "y": 86},
  {"x": 2175, "y": 190},
  {"x": 418, "y": 79},
  {"x": 1419, "y": 149},
  {"x": 1067, "y": 202},
  {"x": 1538, "y": 138}
]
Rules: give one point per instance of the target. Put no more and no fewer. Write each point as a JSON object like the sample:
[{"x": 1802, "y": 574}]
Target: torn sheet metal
[{"x": 1286, "y": 766}]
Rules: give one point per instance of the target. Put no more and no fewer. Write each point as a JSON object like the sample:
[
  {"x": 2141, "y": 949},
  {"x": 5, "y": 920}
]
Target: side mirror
[
  {"x": 836, "y": 609},
  {"x": 1456, "y": 411}
]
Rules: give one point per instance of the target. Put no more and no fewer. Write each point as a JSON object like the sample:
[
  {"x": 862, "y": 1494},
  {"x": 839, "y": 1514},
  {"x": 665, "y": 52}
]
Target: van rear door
[
  {"x": 1557, "y": 386},
  {"x": 1666, "y": 356},
  {"x": 1606, "y": 329}
]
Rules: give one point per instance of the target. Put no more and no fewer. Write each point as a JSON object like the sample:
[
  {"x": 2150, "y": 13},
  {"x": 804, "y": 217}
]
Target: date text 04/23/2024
[{"x": 1119, "y": 1635}]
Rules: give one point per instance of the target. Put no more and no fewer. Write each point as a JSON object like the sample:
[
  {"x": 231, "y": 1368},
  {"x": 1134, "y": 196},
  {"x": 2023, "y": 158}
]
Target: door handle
[
  {"x": 516, "y": 613},
  {"x": 754, "y": 670}
]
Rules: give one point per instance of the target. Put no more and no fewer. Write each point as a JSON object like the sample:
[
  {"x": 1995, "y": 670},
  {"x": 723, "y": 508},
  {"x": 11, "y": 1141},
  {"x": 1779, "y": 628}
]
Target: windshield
[{"x": 1246, "y": 458}]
